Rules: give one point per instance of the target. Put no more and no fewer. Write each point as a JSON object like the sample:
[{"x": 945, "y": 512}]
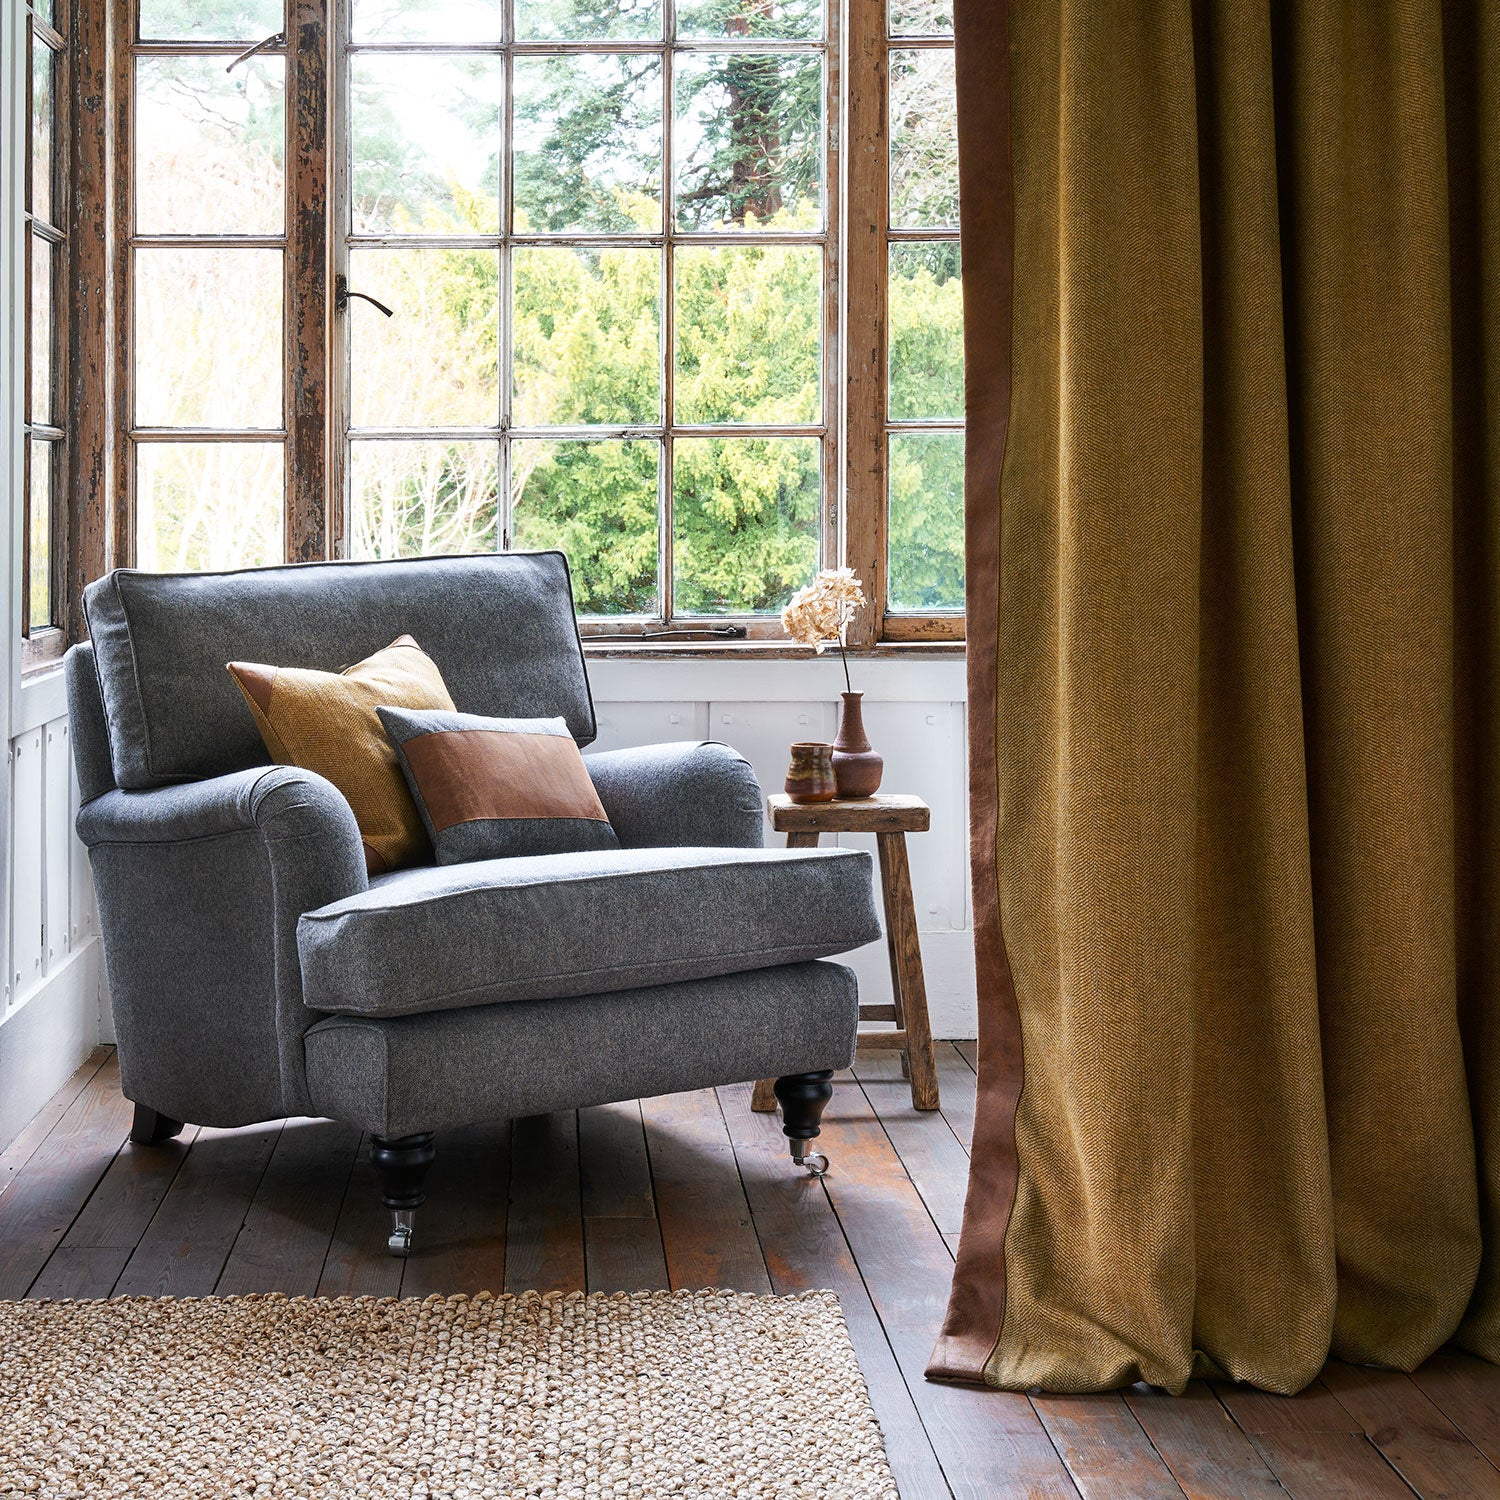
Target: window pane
[
  {"x": 588, "y": 143},
  {"x": 41, "y": 330},
  {"x": 587, "y": 20},
  {"x": 41, "y": 129},
  {"x": 208, "y": 506},
  {"x": 210, "y": 146},
  {"x": 435, "y": 363},
  {"x": 586, "y": 337},
  {"x": 425, "y": 144},
  {"x": 921, "y": 17},
  {"x": 39, "y": 583},
  {"x": 926, "y": 322},
  {"x": 597, "y": 502},
  {"x": 749, "y": 333},
  {"x": 927, "y": 520},
  {"x": 456, "y": 23},
  {"x": 770, "y": 18},
  {"x": 748, "y": 140},
  {"x": 214, "y": 21},
  {"x": 412, "y": 499},
  {"x": 924, "y": 140},
  {"x": 745, "y": 523},
  {"x": 208, "y": 350}
]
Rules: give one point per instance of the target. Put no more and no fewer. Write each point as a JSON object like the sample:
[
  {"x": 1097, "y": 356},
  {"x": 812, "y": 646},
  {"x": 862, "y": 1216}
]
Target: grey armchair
[{"x": 255, "y": 970}]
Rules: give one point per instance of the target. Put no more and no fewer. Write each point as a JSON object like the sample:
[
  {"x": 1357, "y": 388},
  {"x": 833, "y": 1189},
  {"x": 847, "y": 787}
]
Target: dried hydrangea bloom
[{"x": 819, "y": 614}]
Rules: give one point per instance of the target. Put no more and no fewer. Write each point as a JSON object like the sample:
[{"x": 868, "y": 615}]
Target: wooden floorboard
[
  {"x": 59, "y": 1176},
  {"x": 707, "y": 1229},
  {"x": 544, "y": 1247},
  {"x": 805, "y": 1250},
  {"x": 696, "y": 1190},
  {"x": 622, "y": 1245},
  {"x": 1204, "y": 1447},
  {"x": 21, "y": 1150}
]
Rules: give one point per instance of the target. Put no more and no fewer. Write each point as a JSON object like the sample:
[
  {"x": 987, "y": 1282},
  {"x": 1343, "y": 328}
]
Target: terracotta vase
[
  {"x": 857, "y": 766},
  {"x": 809, "y": 778}
]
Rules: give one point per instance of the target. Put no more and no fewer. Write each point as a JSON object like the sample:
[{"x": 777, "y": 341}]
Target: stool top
[{"x": 895, "y": 812}]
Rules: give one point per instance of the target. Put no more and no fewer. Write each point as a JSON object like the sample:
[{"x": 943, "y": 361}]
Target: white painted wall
[
  {"x": 49, "y": 953},
  {"x": 914, "y": 715}
]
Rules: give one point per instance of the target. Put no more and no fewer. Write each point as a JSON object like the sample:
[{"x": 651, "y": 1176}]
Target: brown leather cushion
[
  {"x": 498, "y": 788},
  {"x": 326, "y": 722}
]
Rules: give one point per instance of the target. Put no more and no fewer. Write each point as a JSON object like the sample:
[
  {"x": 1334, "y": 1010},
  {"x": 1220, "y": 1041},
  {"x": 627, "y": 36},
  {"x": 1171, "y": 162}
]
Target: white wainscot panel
[
  {"x": 622, "y": 725},
  {"x": 764, "y": 734},
  {"x": 27, "y": 864},
  {"x": 57, "y": 808}
]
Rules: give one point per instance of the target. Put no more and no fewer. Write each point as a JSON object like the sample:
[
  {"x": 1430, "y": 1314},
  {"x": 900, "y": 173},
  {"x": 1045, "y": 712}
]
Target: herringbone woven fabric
[{"x": 1241, "y": 1026}]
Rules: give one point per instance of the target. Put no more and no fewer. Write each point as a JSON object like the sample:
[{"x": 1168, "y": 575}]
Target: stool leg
[
  {"x": 906, "y": 968},
  {"x": 763, "y": 1100}
]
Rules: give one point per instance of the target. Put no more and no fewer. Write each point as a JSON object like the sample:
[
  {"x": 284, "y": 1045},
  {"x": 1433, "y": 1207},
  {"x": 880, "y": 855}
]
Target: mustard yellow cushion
[{"x": 326, "y": 722}]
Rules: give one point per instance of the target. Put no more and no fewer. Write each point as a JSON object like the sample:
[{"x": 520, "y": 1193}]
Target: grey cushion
[
  {"x": 579, "y": 924},
  {"x": 500, "y": 628},
  {"x": 465, "y": 767},
  {"x": 495, "y": 1062}
]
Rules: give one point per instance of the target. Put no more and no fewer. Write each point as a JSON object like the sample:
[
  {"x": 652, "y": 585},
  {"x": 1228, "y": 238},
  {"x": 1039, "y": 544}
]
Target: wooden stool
[{"x": 890, "y": 819}]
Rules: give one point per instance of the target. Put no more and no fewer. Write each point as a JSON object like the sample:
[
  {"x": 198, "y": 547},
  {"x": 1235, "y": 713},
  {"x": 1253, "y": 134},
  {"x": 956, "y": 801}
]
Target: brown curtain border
[{"x": 976, "y": 1304}]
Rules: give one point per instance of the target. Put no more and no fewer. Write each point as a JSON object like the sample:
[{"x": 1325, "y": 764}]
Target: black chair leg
[
  {"x": 802, "y": 1097},
  {"x": 149, "y": 1128},
  {"x": 401, "y": 1164}
]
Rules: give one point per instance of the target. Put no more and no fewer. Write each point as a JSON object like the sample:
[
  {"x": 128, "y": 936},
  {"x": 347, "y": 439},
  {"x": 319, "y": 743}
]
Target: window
[
  {"x": 204, "y": 218},
  {"x": 589, "y": 291},
  {"x": 45, "y": 352}
]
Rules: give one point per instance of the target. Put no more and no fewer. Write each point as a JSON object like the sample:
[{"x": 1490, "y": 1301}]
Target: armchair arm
[
  {"x": 280, "y": 802},
  {"x": 199, "y": 889},
  {"x": 664, "y": 796}
]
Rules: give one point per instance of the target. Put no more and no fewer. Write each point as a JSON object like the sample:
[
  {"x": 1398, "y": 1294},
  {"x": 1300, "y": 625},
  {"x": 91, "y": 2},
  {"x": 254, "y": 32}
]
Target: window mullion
[
  {"x": 867, "y": 178},
  {"x": 308, "y": 529},
  {"x": 505, "y": 364},
  {"x": 665, "y": 558}
]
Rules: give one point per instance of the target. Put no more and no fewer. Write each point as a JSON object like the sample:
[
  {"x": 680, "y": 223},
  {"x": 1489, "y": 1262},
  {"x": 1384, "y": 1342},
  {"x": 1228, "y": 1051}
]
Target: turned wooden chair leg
[
  {"x": 148, "y": 1128},
  {"x": 401, "y": 1164},
  {"x": 802, "y": 1097}
]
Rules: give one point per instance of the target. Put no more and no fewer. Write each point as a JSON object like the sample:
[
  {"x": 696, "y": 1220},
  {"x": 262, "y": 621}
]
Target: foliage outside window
[
  {"x": 44, "y": 324},
  {"x": 609, "y": 234}
]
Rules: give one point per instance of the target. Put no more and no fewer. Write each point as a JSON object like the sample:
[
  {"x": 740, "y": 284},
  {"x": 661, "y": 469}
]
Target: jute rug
[{"x": 650, "y": 1394}]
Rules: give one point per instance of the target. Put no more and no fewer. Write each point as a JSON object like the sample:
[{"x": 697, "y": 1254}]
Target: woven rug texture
[{"x": 556, "y": 1396}]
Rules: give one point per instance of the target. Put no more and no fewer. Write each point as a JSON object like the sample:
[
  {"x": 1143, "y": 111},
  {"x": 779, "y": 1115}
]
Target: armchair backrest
[{"x": 500, "y": 627}]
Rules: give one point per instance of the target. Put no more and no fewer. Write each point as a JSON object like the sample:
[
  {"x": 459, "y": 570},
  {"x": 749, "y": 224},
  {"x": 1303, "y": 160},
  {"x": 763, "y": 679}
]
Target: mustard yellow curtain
[{"x": 1234, "y": 512}]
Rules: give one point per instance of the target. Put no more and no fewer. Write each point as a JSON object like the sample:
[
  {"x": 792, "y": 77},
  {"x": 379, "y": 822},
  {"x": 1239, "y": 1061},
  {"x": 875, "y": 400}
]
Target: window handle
[
  {"x": 278, "y": 40},
  {"x": 342, "y": 294}
]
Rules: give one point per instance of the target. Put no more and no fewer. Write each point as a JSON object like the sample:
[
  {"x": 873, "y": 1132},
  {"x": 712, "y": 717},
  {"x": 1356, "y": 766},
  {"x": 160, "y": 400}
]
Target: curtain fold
[{"x": 1233, "y": 345}]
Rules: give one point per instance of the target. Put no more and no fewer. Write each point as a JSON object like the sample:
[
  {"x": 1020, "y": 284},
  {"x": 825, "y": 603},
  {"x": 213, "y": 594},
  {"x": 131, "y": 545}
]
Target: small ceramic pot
[
  {"x": 857, "y": 766},
  {"x": 809, "y": 778}
]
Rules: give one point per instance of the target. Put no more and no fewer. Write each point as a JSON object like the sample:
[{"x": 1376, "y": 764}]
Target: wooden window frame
[
  {"x": 43, "y": 645},
  {"x": 316, "y": 430}
]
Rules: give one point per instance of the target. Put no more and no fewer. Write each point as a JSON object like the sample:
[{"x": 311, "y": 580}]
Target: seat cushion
[
  {"x": 553, "y": 925},
  {"x": 327, "y": 722},
  {"x": 497, "y": 788}
]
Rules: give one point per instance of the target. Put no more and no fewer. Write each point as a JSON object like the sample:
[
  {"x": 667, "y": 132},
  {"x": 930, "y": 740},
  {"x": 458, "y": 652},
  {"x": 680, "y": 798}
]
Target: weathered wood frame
[
  {"x": 43, "y": 644},
  {"x": 868, "y": 238}
]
